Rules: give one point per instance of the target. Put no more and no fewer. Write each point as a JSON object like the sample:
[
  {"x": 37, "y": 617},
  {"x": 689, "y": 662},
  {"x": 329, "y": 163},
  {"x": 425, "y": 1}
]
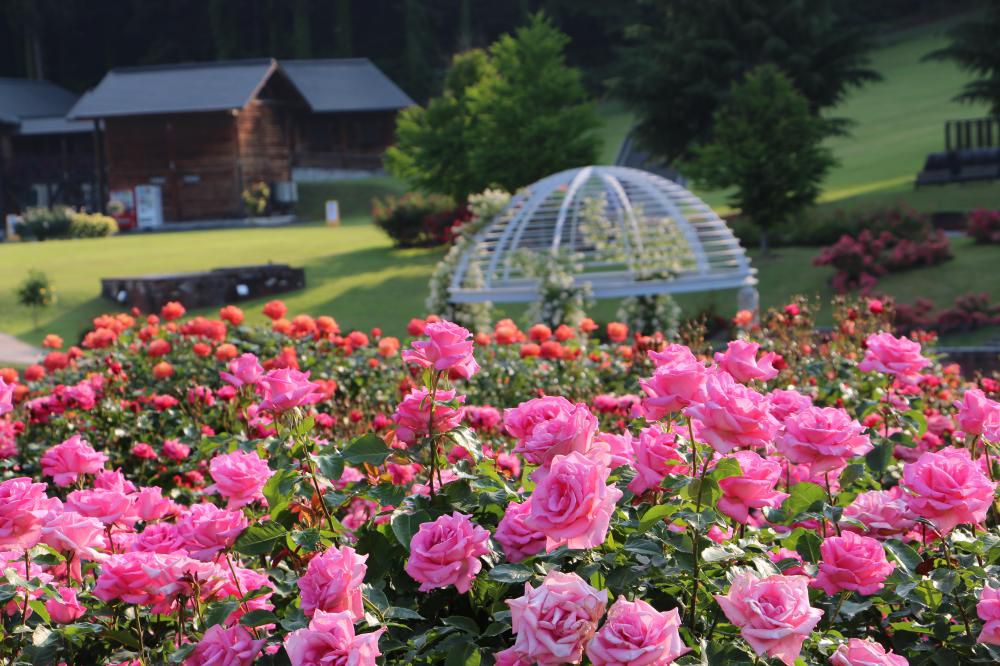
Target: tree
[
  {"x": 768, "y": 145},
  {"x": 431, "y": 151},
  {"x": 687, "y": 54},
  {"x": 974, "y": 47},
  {"x": 506, "y": 118}
]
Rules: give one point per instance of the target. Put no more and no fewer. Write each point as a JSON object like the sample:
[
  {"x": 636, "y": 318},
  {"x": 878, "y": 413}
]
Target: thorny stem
[
  {"x": 319, "y": 495},
  {"x": 829, "y": 495},
  {"x": 430, "y": 429},
  {"x": 142, "y": 644},
  {"x": 239, "y": 588},
  {"x": 697, "y": 534}
]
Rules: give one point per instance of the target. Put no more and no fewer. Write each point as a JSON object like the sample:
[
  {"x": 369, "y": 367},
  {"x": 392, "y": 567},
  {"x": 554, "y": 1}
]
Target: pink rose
[
  {"x": 6, "y": 397},
  {"x": 66, "y": 462},
  {"x": 785, "y": 402},
  {"x": 519, "y": 541},
  {"x": 205, "y": 529},
  {"x": 974, "y": 410},
  {"x": 174, "y": 450},
  {"x": 285, "y": 389},
  {"x": 249, "y": 581},
  {"x": 857, "y": 652},
  {"x": 448, "y": 349},
  {"x": 572, "y": 505},
  {"x": 892, "y": 356},
  {"x": 753, "y": 489},
  {"x": 149, "y": 504},
  {"x": 823, "y": 438},
  {"x": 225, "y": 647},
  {"x": 332, "y": 582},
  {"x": 678, "y": 381},
  {"x": 114, "y": 480},
  {"x": 509, "y": 657},
  {"x": 79, "y": 536},
  {"x": 740, "y": 360},
  {"x": 785, "y": 554},
  {"x": 620, "y": 449},
  {"x": 732, "y": 415},
  {"x": 773, "y": 613},
  {"x": 239, "y": 477},
  {"x": 484, "y": 418},
  {"x": 988, "y": 610},
  {"x": 550, "y": 426},
  {"x": 554, "y": 621},
  {"x": 159, "y": 538},
  {"x": 412, "y": 414},
  {"x": 948, "y": 489},
  {"x": 636, "y": 634},
  {"x": 655, "y": 456},
  {"x": 150, "y": 579},
  {"x": 65, "y": 609},
  {"x": 330, "y": 640},
  {"x": 245, "y": 370},
  {"x": 446, "y": 552},
  {"x": 108, "y": 506},
  {"x": 852, "y": 562},
  {"x": 885, "y": 514},
  {"x": 24, "y": 507}
]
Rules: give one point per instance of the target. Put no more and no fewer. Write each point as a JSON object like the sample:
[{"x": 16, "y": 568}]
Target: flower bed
[{"x": 203, "y": 492}]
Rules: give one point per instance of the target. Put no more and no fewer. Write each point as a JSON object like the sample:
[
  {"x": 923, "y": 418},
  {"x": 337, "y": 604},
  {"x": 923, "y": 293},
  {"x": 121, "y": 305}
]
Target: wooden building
[
  {"x": 45, "y": 159},
  {"x": 202, "y": 132},
  {"x": 352, "y": 118}
]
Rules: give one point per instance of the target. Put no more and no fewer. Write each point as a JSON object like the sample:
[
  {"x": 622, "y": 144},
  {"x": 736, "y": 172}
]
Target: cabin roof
[
  {"x": 26, "y": 98},
  {"x": 346, "y": 84}
]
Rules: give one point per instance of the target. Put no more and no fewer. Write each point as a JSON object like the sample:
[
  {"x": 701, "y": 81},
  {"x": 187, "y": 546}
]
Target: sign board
[
  {"x": 148, "y": 206},
  {"x": 332, "y": 213}
]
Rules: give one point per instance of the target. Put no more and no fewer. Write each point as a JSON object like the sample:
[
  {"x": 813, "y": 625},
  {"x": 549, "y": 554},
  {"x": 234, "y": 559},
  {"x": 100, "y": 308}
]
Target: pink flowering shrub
[{"x": 302, "y": 494}]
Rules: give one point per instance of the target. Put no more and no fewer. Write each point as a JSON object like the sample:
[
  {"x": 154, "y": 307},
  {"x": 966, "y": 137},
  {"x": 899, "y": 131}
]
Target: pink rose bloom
[
  {"x": 948, "y": 489},
  {"x": 482, "y": 418},
  {"x": 446, "y": 552},
  {"x": 285, "y": 389},
  {"x": 413, "y": 414},
  {"x": 554, "y": 621},
  {"x": 159, "y": 538},
  {"x": 24, "y": 507},
  {"x": 636, "y": 634},
  {"x": 655, "y": 456},
  {"x": 149, "y": 504},
  {"x": 773, "y": 613},
  {"x": 239, "y": 477},
  {"x": 785, "y": 554},
  {"x": 225, "y": 647},
  {"x": 509, "y": 464},
  {"x": 732, "y": 415},
  {"x": 785, "y": 402},
  {"x": 678, "y": 381},
  {"x": 740, "y": 360},
  {"x": 66, "y": 462},
  {"x": 550, "y": 426},
  {"x": 572, "y": 505},
  {"x": 988, "y": 610},
  {"x": 79, "y": 536},
  {"x": 65, "y": 609},
  {"x": 519, "y": 541},
  {"x": 509, "y": 657},
  {"x": 885, "y": 514},
  {"x": 892, "y": 356},
  {"x": 974, "y": 410},
  {"x": 205, "y": 529},
  {"x": 852, "y": 562},
  {"x": 332, "y": 582},
  {"x": 114, "y": 480},
  {"x": 754, "y": 489},
  {"x": 243, "y": 370},
  {"x": 857, "y": 652},
  {"x": 330, "y": 641},
  {"x": 150, "y": 579},
  {"x": 108, "y": 506},
  {"x": 174, "y": 450},
  {"x": 143, "y": 451},
  {"x": 6, "y": 397},
  {"x": 448, "y": 349},
  {"x": 823, "y": 438},
  {"x": 620, "y": 449},
  {"x": 249, "y": 581}
]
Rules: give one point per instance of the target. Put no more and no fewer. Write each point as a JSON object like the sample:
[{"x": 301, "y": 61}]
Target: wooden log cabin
[{"x": 203, "y": 132}]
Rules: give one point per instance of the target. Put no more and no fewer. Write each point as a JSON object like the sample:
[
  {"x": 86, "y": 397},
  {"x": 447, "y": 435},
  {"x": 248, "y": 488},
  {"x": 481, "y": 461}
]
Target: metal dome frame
[{"x": 650, "y": 224}]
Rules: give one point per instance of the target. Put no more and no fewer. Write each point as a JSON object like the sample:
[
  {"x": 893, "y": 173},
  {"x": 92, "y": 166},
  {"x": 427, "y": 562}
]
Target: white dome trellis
[{"x": 628, "y": 231}]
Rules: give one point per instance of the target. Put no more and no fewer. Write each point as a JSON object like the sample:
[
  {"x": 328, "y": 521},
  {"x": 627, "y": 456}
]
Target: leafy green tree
[
  {"x": 35, "y": 292},
  {"x": 768, "y": 146},
  {"x": 687, "y": 54},
  {"x": 974, "y": 47},
  {"x": 431, "y": 152}
]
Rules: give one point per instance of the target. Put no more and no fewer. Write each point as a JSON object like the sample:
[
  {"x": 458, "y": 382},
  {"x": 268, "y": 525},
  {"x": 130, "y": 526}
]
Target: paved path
[{"x": 15, "y": 352}]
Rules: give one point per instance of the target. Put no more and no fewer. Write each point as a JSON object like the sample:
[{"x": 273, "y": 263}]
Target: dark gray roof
[
  {"x": 350, "y": 84},
  {"x": 54, "y": 125},
  {"x": 191, "y": 87},
  {"x": 23, "y": 98}
]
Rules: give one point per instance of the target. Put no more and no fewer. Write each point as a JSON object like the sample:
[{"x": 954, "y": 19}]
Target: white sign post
[
  {"x": 148, "y": 206},
  {"x": 332, "y": 213}
]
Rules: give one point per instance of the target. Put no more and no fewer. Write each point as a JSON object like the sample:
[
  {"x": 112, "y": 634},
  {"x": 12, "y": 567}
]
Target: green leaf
[
  {"x": 655, "y": 514},
  {"x": 126, "y": 638},
  {"x": 907, "y": 557},
  {"x": 259, "y": 539},
  {"x": 218, "y": 612},
  {"x": 405, "y": 525},
  {"x": 366, "y": 449},
  {"x": 307, "y": 539},
  {"x": 808, "y": 547},
  {"x": 331, "y": 466},
  {"x": 258, "y": 617},
  {"x": 851, "y": 474},
  {"x": 463, "y": 655},
  {"x": 803, "y": 497},
  {"x": 180, "y": 654},
  {"x": 916, "y": 419},
  {"x": 725, "y": 468},
  {"x": 39, "y": 607},
  {"x": 510, "y": 573},
  {"x": 466, "y": 624},
  {"x": 278, "y": 489},
  {"x": 878, "y": 458}
]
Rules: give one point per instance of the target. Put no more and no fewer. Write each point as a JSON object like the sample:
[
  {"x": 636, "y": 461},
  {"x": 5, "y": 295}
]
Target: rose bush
[{"x": 204, "y": 492}]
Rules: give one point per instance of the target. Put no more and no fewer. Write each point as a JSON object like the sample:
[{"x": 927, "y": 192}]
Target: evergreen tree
[{"x": 974, "y": 47}]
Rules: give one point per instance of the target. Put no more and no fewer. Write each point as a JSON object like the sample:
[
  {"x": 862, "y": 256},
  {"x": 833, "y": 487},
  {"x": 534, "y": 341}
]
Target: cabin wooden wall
[
  {"x": 354, "y": 140},
  {"x": 263, "y": 128}
]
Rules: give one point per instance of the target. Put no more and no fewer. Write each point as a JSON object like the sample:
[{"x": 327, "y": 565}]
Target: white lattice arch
[{"x": 652, "y": 237}]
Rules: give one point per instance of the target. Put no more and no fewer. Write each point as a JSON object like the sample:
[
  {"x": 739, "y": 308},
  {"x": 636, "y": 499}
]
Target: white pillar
[{"x": 749, "y": 299}]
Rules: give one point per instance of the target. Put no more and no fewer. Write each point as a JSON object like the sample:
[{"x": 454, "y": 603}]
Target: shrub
[
  {"x": 35, "y": 292},
  {"x": 45, "y": 223},
  {"x": 91, "y": 225},
  {"x": 969, "y": 312},
  {"x": 419, "y": 220},
  {"x": 257, "y": 198},
  {"x": 984, "y": 225}
]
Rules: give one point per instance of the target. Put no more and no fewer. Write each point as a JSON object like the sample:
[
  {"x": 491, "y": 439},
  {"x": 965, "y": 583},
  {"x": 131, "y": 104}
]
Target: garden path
[{"x": 15, "y": 352}]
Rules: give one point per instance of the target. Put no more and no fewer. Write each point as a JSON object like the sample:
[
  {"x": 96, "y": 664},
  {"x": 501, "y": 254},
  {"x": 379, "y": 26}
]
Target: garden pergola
[{"x": 626, "y": 232}]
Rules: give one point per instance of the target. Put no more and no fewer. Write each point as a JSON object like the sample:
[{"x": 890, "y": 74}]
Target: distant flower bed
[
  {"x": 63, "y": 222},
  {"x": 201, "y": 491},
  {"x": 984, "y": 225},
  {"x": 970, "y": 311},
  {"x": 419, "y": 220}
]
